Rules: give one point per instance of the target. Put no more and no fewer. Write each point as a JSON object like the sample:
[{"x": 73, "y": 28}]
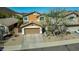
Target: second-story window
[
  {"x": 42, "y": 18},
  {"x": 71, "y": 18},
  {"x": 25, "y": 18}
]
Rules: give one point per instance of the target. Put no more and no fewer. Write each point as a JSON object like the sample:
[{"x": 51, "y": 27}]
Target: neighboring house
[
  {"x": 32, "y": 23},
  {"x": 9, "y": 24},
  {"x": 72, "y": 20}
]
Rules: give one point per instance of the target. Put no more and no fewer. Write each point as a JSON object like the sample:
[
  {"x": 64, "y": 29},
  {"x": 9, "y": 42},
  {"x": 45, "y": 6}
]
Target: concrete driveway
[{"x": 31, "y": 39}]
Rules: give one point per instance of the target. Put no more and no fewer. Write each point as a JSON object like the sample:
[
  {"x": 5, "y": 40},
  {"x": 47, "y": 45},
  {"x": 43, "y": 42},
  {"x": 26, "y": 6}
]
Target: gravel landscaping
[{"x": 60, "y": 37}]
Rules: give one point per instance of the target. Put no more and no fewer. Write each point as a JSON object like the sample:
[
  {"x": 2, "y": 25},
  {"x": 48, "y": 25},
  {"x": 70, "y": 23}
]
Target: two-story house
[
  {"x": 72, "y": 20},
  {"x": 32, "y": 23}
]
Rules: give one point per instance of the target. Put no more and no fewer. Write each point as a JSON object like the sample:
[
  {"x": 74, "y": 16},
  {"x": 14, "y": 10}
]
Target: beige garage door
[{"x": 31, "y": 30}]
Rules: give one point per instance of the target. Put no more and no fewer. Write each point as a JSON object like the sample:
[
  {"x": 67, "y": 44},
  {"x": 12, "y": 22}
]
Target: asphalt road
[{"x": 72, "y": 47}]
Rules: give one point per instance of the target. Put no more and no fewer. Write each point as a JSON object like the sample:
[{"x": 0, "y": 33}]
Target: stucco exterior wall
[
  {"x": 75, "y": 20},
  {"x": 32, "y": 18},
  {"x": 72, "y": 29}
]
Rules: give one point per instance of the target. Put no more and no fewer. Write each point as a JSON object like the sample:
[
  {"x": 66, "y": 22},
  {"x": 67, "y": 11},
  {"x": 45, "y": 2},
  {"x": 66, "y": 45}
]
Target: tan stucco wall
[{"x": 33, "y": 17}]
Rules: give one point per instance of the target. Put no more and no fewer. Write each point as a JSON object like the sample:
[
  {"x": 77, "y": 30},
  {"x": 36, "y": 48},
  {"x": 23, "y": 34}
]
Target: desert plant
[{"x": 59, "y": 24}]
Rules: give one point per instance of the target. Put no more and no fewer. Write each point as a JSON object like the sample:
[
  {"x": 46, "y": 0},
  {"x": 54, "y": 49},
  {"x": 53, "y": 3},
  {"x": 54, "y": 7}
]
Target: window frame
[
  {"x": 43, "y": 19},
  {"x": 26, "y": 17},
  {"x": 71, "y": 17}
]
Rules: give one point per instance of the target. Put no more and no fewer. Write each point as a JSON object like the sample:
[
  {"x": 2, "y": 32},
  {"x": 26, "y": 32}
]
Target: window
[
  {"x": 72, "y": 17},
  {"x": 25, "y": 18},
  {"x": 41, "y": 18}
]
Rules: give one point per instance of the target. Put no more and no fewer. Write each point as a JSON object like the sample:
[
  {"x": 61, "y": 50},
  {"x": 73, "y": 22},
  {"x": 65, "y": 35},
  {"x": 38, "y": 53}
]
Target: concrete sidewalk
[
  {"x": 70, "y": 47},
  {"x": 50, "y": 44},
  {"x": 41, "y": 45}
]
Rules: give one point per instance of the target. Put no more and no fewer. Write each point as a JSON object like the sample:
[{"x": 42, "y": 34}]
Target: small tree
[
  {"x": 5, "y": 15},
  {"x": 58, "y": 26},
  {"x": 20, "y": 20}
]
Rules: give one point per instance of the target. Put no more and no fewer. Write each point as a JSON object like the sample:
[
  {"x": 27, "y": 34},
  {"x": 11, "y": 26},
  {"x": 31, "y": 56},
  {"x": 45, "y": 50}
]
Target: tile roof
[
  {"x": 31, "y": 13},
  {"x": 68, "y": 13},
  {"x": 8, "y": 21}
]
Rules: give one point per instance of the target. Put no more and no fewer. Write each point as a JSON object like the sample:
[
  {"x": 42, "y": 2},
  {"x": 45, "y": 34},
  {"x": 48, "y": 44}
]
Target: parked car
[
  {"x": 3, "y": 32},
  {"x": 77, "y": 31}
]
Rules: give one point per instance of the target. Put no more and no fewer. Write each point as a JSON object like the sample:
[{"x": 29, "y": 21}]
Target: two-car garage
[{"x": 31, "y": 29}]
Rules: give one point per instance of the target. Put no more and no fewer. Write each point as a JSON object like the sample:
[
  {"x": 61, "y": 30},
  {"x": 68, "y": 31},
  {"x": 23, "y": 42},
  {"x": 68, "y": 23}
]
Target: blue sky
[{"x": 40, "y": 9}]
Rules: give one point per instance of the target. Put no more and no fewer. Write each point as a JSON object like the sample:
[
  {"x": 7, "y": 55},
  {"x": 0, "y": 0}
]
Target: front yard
[
  {"x": 61, "y": 37},
  {"x": 38, "y": 40},
  {"x": 11, "y": 41}
]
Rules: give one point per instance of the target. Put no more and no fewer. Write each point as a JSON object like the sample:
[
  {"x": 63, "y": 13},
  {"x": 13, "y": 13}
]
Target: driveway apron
[{"x": 31, "y": 40}]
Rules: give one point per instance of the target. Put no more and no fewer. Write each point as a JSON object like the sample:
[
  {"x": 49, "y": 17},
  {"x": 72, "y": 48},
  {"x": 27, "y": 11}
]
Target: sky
[{"x": 41, "y": 9}]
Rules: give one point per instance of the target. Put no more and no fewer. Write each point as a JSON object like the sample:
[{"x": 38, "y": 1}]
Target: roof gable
[
  {"x": 31, "y": 13},
  {"x": 70, "y": 13},
  {"x": 8, "y": 21},
  {"x": 33, "y": 24}
]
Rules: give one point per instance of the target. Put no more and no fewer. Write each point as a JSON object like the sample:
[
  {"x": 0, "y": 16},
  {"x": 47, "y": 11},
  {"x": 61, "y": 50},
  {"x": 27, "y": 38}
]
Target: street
[{"x": 72, "y": 47}]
